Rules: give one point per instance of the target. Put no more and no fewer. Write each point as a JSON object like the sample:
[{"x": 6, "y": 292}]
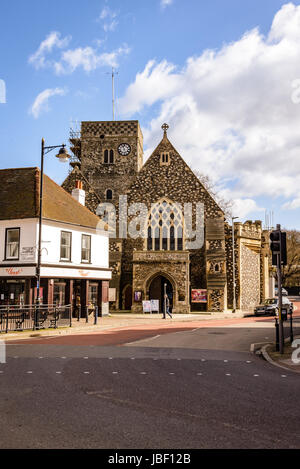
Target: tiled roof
[{"x": 19, "y": 198}]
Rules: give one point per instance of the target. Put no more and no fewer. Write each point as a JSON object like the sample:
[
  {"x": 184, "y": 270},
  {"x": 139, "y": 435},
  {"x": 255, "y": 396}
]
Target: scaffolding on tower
[{"x": 75, "y": 144}]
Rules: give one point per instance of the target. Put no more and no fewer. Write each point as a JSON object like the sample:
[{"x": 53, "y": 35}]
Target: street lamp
[
  {"x": 233, "y": 265},
  {"x": 63, "y": 157}
]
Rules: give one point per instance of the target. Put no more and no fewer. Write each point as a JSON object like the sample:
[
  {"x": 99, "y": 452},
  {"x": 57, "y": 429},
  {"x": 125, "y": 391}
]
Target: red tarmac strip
[{"x": 123, "y": 335}]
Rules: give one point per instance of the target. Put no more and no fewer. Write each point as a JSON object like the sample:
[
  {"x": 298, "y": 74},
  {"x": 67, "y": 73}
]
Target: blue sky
[{"x": 223, "y": 74}]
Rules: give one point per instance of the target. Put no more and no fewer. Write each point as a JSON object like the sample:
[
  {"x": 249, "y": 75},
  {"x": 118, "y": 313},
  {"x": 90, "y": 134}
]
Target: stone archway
[{"x": 155, "y": 289}]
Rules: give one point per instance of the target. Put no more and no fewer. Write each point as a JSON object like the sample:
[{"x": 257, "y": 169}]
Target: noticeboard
[{"x": 199, "y": 296}]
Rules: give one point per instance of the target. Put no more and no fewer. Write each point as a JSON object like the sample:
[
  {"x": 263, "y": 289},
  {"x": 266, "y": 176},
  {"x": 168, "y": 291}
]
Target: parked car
[
  {"x": 271, "y": 307},
  {"x": 283, "y": 291}
]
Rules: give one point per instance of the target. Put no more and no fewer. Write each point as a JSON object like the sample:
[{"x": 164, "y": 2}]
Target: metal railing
[
  {"x": 34, "y": 317},
  {"x": 291, "y": 327}
]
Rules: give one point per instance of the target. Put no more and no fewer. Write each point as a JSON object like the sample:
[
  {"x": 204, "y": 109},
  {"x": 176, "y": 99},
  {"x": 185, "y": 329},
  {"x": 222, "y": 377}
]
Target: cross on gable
[{"x": 165, "y": 128}]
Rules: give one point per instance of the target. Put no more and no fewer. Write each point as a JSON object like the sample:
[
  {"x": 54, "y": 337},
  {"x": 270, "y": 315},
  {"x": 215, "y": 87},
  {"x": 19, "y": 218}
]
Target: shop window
[
  {"x": 59, "y": 293},
  {"x": 12, "y": 247},
  {"x": 65, "y": 246},
  {"x": 86, "y": 248}
]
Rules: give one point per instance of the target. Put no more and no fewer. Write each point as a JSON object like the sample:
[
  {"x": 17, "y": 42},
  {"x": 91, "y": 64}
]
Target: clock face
[{"x": 124, "y": 149}]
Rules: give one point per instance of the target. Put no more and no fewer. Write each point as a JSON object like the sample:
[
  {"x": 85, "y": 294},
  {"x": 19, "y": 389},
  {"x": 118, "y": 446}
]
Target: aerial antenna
[{"x": 113, "y": 73}]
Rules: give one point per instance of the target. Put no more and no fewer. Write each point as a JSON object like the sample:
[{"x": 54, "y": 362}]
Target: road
[{"x": 175, "y": 387}]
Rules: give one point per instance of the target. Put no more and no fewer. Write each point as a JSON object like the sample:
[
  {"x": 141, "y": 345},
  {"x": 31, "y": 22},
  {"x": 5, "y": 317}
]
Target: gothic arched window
[{"x": 165, "y": 227}]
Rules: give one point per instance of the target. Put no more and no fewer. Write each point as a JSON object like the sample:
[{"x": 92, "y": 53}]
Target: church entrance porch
[
  {"x": 151, "y": 269},
  {"x": 157, "y": 288}
]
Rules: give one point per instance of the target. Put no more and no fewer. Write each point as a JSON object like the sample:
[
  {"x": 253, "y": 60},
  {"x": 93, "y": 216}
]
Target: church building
[{"x": 180, "y": 243}]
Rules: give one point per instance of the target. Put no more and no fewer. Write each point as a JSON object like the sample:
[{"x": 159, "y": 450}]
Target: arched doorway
[
  {"x": 156, "y": 291},
  {"x": 127, "y": 298}
]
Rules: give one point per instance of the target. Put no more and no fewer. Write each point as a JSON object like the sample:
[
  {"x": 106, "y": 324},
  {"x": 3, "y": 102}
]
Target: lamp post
[
  {"x": 233, "y": 265},
  {"x": 63, "y": 157}
]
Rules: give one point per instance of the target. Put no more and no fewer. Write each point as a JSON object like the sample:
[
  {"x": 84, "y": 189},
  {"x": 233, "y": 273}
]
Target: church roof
[
  {"x": 20, "y": 192},
  {"x": 176, "y": 174}
]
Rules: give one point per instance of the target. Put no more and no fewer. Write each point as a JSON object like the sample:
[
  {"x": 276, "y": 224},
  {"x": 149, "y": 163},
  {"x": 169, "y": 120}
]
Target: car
[
  {"x": 271, "y": 307},
  {"x": 283, "y": 291}
]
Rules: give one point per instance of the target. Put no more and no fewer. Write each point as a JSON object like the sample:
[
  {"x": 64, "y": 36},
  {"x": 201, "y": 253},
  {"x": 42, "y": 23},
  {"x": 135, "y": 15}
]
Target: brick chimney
[{"x": 78, "y": 193}]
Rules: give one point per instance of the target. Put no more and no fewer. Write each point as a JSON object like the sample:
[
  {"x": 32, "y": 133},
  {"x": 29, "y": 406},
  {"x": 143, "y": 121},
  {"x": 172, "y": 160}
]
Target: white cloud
[
  {"x": 38, "y": 59},
  {"x": 165, "y": 3},
  {"x": 108, "y": 17},
  {"x": 88, "y": 59},
  {"x": 41, "y": 102},
  {"x": 231, "y": 111}
]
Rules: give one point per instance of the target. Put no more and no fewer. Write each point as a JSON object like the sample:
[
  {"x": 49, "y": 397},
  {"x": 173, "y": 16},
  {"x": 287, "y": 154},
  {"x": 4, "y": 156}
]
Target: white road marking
[
  {"x": 199, "y": 374},
  {"x": 29, "y": 372},
  {"x": 228, "y": 374},
  {"x": 225, "y": 361},
  {"x": 86, "y": 372},
  {"x": 58, "y": 372},
  {"x": 283, "y": 376},
  {"x": 255, "y": 375},
  {"x": 171, "y": 373},
  {"x": 115, "y": 372},
  {"x": 143, "y": 373}
]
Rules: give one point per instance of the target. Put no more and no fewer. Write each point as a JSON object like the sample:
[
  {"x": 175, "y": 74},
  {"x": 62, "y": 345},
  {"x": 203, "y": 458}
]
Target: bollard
[
  {"x": 291, "y": 327},
  {"x": 71, "y": 314},
  {"x": 277, "y": 334},
  {"x": 96, "y": 315},
  {"x": 87, "y": 314},
  {"x": 79, "y": 313}
]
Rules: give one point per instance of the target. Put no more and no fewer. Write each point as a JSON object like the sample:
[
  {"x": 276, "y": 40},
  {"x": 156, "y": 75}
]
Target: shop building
[{"x": 75, "y": 252}]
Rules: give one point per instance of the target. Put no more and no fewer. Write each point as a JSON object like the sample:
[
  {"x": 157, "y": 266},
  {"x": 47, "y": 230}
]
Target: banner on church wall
[{"x": 199, "y": 296}]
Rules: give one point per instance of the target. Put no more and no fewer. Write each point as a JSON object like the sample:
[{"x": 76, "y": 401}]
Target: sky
[{"x": 224, "y": 75}]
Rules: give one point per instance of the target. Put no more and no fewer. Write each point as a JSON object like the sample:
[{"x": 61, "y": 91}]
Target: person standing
[{"x": 166, "y": 307}]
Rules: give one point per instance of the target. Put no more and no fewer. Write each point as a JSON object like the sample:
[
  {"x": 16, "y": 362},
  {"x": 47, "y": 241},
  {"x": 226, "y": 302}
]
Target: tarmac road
[{"x": 185, "y": 389}]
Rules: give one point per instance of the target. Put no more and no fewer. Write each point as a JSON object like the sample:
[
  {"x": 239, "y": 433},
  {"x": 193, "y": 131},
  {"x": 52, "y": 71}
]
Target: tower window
[
  {"x": 109, "y": 194},
  {"x": 108, "y": 157}
]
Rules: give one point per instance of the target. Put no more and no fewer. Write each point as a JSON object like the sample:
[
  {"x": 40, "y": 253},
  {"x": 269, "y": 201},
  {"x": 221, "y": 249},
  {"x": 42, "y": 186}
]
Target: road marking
[
  {"x": 29, "y": 372},
  {"x": 85, "y": 358},
  {"x": 132, "y": 358},
  {"x": 110, "y": 358},
  {"x": 256, "y": 375},
  {"x": 203, "y": 360},
  {"x": 86, "y": 372},
  {"x": 248, "y": 361},
  {"x": 199, "y": 374},
  {"x": 58, "y": 372},
  {"x": 115, "y": 372},
  {"x": 178, "y": 359},
  {"x": 283, "y": 376},
  {"x": 228, "y": 374},
  {"x": 171, "y": 373},
  {"x": 143, "y": 373},
  {"x": 225, "y": 361},
  {"x": 40, "y": 358},
  {"x": 63, "y": 358}
]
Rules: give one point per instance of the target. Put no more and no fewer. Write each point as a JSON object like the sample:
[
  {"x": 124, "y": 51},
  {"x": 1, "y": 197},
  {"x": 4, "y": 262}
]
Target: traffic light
[{"x": 278, "y": 246}]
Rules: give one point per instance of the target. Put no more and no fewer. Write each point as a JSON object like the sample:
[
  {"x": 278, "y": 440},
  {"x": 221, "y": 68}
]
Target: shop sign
[{"x": 27, "y": 253}]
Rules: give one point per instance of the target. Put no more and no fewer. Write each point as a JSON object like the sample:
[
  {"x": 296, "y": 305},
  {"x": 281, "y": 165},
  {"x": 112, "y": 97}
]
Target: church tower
[{"x": 110, "y": 154}]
